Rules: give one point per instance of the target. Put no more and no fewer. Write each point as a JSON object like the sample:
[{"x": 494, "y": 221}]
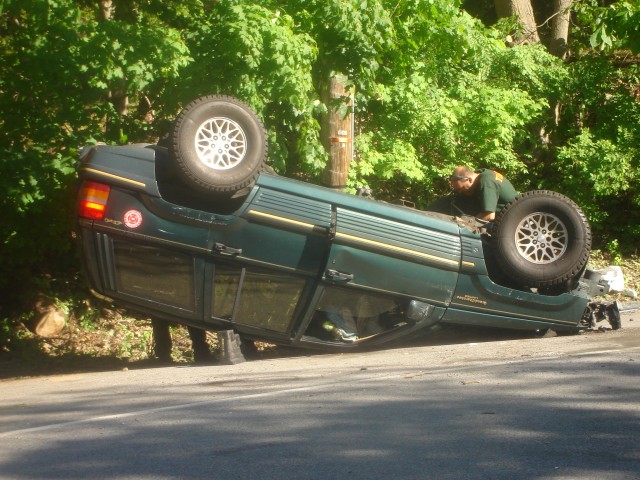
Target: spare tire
[
  {"x": 218, "y": 144},
  {"x": 542, "y": 239}
]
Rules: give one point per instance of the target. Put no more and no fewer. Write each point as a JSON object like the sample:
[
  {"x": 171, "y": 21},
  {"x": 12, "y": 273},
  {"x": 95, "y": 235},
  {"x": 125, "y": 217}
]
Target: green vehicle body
[{"x": 297, "y": 264}]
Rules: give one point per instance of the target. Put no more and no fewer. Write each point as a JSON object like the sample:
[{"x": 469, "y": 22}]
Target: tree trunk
[
  {"x": 338, "y": 135},
  {"x": 119, "y": 98},
  {"x": 560, "y": 28},
  {"x": 118, "y": 95},
  {"x": 106, "y": 9},
  {"x": 523, "y": 11}
]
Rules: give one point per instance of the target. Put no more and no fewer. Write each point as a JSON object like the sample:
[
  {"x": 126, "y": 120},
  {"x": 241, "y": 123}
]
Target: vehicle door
[
  {"x": 389, "y": 268},
  {"x": 266, "y": 259}
]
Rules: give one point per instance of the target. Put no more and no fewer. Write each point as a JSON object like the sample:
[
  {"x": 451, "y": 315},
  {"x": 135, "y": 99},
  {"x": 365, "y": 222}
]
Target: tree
[
  {"x": 612, "y": 27},
  {"x": 523, "y": 12},
  {"x": 59, "y": 62},
  {"x": 560, "y": 21}
]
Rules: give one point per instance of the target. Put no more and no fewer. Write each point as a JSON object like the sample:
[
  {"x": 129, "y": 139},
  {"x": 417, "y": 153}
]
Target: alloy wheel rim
[
  {"x": 220, "y": 143},
  {"x": 541, "y": 238}
]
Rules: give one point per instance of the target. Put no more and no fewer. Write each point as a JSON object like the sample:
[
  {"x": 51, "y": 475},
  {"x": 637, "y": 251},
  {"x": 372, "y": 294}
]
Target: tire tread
[
  {"x": 176, "y": 151},
  {"x": 566, "y": 277}
]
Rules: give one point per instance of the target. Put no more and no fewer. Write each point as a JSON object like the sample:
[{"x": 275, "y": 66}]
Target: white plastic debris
[{"x": 614, "y": 277}]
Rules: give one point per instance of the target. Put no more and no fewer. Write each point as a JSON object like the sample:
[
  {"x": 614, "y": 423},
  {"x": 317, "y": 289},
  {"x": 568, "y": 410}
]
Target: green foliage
[
  {"x": 600, "y": 163},
  {"x": 68, "y": 79},
  {"x": 614, "y": 250},
  {"x": 598, "y": 149},
  {"x": 261, "y": 56},
  {"x": 456, "y": 96},
  {"x": 612, "y": 27},
  {"x": 351, "y": 37}
]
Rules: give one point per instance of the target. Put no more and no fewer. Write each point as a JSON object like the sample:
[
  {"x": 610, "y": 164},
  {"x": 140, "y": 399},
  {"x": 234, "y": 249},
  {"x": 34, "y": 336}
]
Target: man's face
[{"x": 461, "y": 185}]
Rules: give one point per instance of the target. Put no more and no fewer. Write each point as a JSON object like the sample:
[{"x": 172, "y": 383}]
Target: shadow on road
[{"x": 32, "y": 362}]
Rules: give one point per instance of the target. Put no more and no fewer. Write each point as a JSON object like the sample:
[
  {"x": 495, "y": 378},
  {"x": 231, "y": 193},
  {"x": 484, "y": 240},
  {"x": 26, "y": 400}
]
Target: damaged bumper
[{"x": 596, "y": 312}]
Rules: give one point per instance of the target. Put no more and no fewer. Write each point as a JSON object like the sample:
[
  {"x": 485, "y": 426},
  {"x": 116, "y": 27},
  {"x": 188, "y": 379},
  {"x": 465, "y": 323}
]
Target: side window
[
  {"x": 347, "y": 315},
  {"x": 155, "y": 274},
  {"x": 225, "y": 291},
  {"x": 266, "y": 299}
]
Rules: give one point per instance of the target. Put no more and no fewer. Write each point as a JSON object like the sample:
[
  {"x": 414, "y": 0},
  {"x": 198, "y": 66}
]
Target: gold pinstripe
[
  {"x": 111, "y": 175},
  {"x": 353, "y": 238},
  {"x": 290, "y": 221},
  {"x": 387, "y": 246}
]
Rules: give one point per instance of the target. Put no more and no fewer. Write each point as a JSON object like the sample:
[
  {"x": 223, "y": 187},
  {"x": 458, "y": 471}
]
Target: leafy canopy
[{"x": 433, "y": 86}]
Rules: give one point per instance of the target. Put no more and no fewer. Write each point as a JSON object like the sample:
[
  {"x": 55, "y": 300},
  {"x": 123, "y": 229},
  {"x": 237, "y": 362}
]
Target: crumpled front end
[{"x": 601, "y": 282}]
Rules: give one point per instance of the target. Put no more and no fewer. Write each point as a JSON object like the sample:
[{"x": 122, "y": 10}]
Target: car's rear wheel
[
  {"x": 542, "y": 239},
  {"x": 218, "y": 144}
]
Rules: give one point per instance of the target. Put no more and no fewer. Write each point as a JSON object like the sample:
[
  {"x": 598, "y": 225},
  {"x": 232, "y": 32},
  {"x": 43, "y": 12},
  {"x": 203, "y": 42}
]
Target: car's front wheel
[
  {"x": 542, "y": 239},
  {"x": 218, "y": 144}
]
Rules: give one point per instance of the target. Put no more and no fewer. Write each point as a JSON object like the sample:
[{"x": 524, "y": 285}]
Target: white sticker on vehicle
[{"x": 133, "y": 219}]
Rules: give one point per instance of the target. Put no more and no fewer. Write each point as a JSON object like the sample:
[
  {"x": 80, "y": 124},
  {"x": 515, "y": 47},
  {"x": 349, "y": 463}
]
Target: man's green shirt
[{"x": 491, "y": 191}]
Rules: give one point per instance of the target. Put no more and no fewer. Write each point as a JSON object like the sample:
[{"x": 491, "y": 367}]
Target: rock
[{"x": 48, "y": 320}]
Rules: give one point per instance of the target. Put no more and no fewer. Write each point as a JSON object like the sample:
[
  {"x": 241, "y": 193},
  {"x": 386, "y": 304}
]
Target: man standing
[{"x": 482, "y": 192}]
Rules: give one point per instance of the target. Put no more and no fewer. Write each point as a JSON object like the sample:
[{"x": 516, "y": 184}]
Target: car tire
[
  {"x": 218, "y": 144},
  {"x": 542, "y": 239}
]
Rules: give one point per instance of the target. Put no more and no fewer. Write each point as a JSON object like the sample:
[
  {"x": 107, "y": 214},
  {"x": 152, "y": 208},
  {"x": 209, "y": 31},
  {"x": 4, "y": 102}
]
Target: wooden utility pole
[{"x": 338, "y": 134}]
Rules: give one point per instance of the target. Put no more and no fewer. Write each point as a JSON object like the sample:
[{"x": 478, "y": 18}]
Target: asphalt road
[{"x": 475, "y": 407}]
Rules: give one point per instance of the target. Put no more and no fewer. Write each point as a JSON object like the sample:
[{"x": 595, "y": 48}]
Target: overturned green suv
[{"x": 200, "y": 233}]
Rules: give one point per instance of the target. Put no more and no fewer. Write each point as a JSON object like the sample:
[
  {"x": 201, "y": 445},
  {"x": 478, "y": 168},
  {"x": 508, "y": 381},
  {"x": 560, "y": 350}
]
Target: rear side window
[{"x": 155, "y": 274}]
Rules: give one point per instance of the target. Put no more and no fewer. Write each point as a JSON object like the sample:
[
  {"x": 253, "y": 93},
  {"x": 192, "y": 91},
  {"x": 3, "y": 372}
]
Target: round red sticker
[{"x": 133, "y": 219}]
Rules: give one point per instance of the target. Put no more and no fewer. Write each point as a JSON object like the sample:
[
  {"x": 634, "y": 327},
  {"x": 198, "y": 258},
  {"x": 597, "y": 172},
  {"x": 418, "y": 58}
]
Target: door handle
[
  {"x": 223, "y": 249},
  {"x": 337, "y": 276}
]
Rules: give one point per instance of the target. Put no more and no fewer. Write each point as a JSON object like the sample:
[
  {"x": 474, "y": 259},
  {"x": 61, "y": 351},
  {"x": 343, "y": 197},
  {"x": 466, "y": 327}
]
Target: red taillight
[{"x": 93, "y": 200}]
